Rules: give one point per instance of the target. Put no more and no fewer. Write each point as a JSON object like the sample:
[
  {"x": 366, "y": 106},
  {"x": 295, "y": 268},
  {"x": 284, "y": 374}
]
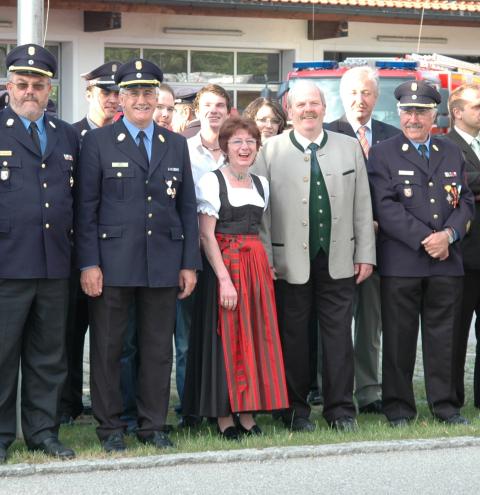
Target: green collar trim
[{"x": 300, "y": 147}]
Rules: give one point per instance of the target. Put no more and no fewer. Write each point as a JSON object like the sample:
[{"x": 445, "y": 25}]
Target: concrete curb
[{"x": 244, "y": 455}]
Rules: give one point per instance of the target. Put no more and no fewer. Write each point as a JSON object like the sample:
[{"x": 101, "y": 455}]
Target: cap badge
[
  {"x": 52, "y": 124},
  {"x": 9, "y": 122},
  {"x": 121, "y": 137},
  {"x": 404, "y": 147},
  {"x": 414, "y": 86},
  {"x": 139, "y": 75},
  {"x": 162, "y": 139},
  {"x": 435, "y": 147},
  {"x": 30, "y": 62},
  {"x": 138, "y": 65},
  {"x": 414, "y": 97},
  {"x": 31, "y": 51},
  {"x": 114, "y": 68}
]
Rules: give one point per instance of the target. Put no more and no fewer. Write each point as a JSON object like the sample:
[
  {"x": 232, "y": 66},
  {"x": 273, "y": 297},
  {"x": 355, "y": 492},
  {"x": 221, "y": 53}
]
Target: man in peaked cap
[
  {"x": 102, "y": 96},
  {"x": 137, "y": 242},
  {"x": 423, "y": 207},
  {"x": 38, "y": 154}
]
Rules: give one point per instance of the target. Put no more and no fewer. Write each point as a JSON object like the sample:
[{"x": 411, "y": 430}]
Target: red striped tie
[{"x": 363, "y": 139}]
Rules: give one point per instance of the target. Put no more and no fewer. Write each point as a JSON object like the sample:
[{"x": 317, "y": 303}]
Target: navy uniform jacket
[
  {"x": 471, "y": 242},
  {"x": 411, "y": 200},
  {"x": 36, "y": 208},
  {"x": 380, "y": 130},
  {"x": 138, "y": 224}
]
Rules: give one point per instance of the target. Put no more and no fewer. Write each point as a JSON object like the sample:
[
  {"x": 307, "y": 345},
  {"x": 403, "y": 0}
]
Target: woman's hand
[{"x": 228, "y": 294}]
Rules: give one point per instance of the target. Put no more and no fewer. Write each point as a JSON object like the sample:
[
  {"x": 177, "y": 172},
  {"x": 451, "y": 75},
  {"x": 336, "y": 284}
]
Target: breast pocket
[
  {"x": 11, "y": 174},
  {"x": 118, "y": 183},
  {"x": 409, "y": 192}
]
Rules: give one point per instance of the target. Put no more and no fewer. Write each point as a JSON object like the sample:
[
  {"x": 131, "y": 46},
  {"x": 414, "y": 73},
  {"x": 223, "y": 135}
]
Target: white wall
[{"x": 84, "y": 51}]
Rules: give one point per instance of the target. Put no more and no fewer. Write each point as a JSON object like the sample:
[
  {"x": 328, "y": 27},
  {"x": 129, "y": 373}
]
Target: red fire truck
[{"x": 445, "y": 73}]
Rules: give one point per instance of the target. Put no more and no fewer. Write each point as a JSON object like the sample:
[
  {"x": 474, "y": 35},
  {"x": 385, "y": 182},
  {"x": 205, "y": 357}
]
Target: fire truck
[{"x": 445, "y": 73}]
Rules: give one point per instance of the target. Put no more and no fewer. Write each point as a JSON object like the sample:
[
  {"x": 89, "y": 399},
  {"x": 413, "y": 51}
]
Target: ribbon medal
[{"x": 171, "y": 191}]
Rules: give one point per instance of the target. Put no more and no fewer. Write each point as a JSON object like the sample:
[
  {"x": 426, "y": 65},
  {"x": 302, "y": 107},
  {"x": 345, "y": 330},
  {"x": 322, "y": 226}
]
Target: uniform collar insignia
[
  {"x": 52, "y": 124},
  {"x": 9, "y": 122},
  {"x": 162, "y": 139},
  {"x": 121, "y": 137},
  {"x": 435, "y": 147},
  {"x": 405, "y": 147}
]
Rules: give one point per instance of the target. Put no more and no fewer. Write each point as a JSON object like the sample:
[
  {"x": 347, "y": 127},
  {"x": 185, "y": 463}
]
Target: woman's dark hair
[
  {"x": 232, "y": 125},
  {"x": 253, "y": 108}
]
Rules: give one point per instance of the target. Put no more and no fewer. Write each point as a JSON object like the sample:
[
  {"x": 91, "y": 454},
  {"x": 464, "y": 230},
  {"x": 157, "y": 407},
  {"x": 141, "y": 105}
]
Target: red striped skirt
[{"x": 249, "y": 334}]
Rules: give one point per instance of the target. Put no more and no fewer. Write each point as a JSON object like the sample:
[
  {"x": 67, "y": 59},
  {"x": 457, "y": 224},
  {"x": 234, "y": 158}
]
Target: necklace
[
  {"x": 239, "y": 176},
  {"x": 207, "y": 147}
]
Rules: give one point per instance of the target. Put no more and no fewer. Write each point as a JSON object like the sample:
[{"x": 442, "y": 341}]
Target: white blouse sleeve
[
  {"x": 208, "y": 195},
  {"x": 266, "y": 189}
]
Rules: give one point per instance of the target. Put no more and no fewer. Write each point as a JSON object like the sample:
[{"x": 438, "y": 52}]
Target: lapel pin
[
  {"x": 120, "y": 137},
  {"x": 435, "y": 147},
  {"x": 83, "y": 132},
  {"x": 162, "y": 139},
  {"x": 10, "y": 122},
  {"x": 52, "y": 124},
  {"x": 404, "y": 147}
]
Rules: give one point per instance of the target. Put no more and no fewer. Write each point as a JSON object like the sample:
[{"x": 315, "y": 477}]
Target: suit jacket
[
  {"x": 471, "y": 242},
  {"x": 82, "y": 127},
  {"x": 285, "y": 227},
  {"x": 36, "y": 210},
  {"x": 412, "y": 199},
  {"x": 137, "y": 222},
  {"x": 380, "y": 130}
]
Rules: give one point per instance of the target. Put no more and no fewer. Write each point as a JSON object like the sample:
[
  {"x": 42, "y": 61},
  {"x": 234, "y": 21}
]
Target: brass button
[
  {"x": 44, "y": 165},
  {"x": 319, "y": 197},
  {"x": 320, "y": 211},
  {"x": 305, "y": 179},
  {"x": 119, "y": 174},
  {"x": 318, "y": 183},
  {"x": 104, "y": 236},
  {"x": 44, "y": 185},
  {"x": 304, "y": 201},
  {"x": 430, "y": 184},
  {"x": 435, "y": 216},
  {"x": 306, "y": 158},
  {"x": 146, "y": 182},
  {"x": 305, "y": 245},
  {"x": 47, "y": 205},
  {"x": 150, "y": 215},
  {"x": 407, "y": 182},
  {"x": 304, "y": 223},
  {"x": 47, "y": 225},
  {"x": 321, "y": 238},
  {"x": 149, "y": 198},
  {"x": 432, "y": 200},
  {"x": 149, "y": 232},
  {"x": 321, "y": 225},
  {"x": 5, "y": 163}
]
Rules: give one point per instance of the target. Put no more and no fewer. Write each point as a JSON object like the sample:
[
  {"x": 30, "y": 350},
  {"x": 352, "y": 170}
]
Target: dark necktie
[
  {"x": 314, "y": 166},
  {"x": 141, "y": 146},
  {"x": 35, "y": 138},
  {"x": 422, "y": 149},
  {"x": 315, "y": 177}
]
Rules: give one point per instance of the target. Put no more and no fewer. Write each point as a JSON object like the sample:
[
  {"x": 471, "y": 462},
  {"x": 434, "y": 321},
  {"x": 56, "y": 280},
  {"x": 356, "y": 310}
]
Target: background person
[
  {"x": 239, "y": 367},
  {"x": 359, "y": 93},
  {"x": 423, "y": 207},
  {"x": 163, "y": 114},
  {"x": 268, "y": 115},
  {"x": 464, "y": 106}
]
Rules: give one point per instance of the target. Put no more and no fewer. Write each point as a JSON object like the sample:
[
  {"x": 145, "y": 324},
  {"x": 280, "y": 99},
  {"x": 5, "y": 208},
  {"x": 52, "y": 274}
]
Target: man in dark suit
[
  {"x": 102, "y": 97},
  {"x": 137, "y": 242},
  {"x": 464, "y": 105},
  {"x": 423, "y": 207},
  {"x": 359, "y": 93},
  {"x": 37, "y": 156}
]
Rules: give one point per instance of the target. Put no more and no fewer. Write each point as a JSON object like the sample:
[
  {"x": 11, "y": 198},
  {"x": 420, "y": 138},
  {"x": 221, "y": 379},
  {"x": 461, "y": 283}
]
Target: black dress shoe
[
  {"x": 374, "y": 407},
  {"x": 53, "y": 447},
  {"x": 114, "y": 443},
  {"x": 299, "y": 424},
  {"x": 229, "y": 433},
  {"x": 190, "y": 421},
  {"x": 158, "y": 439},
  {"x": 3, "y": 454},
  {"x": 254, "y": 431},
  {"x": 456, "y": 419},
  {"x": 345, "y": 423},
  {"x": 399, "y": 422}
]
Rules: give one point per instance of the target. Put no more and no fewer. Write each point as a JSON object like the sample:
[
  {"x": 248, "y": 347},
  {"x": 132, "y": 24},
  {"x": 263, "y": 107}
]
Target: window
[{"x": 242, "y": 73}]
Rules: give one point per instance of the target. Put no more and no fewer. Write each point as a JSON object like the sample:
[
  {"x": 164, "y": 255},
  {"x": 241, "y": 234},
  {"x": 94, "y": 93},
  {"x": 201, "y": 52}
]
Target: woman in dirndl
[{"x": 235, "y": 363}]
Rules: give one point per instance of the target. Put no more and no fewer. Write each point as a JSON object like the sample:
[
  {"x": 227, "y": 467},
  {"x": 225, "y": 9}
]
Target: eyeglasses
[
  {"x": 136, "y": 93},
  {"x": 165, "y": 107},
  {"x": 239, "y": 142},
  {"x": 419, "y": 112},
  {"x": 23, "y": 86},
  {"x": 267, "y": 120}
]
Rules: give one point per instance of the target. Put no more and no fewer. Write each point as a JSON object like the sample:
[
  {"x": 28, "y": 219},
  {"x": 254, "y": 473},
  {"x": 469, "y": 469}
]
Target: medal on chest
[{"x": 4, "y": 173}]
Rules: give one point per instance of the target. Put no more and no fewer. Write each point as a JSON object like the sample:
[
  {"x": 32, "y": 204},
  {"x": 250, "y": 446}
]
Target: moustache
[
  {"x": 414, "y": 126},
  {"x": 308, "y": 115}
]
